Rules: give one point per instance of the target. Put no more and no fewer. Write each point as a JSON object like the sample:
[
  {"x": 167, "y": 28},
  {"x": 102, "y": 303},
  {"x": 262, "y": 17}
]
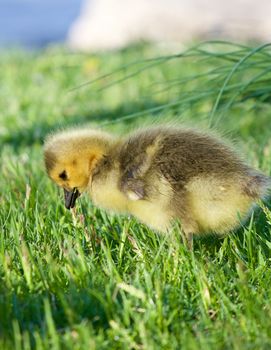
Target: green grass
[{"x": 95, "y": 281}]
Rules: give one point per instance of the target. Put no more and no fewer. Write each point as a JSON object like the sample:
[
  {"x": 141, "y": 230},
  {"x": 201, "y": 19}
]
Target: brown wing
[{"x": 136, "y": 157}]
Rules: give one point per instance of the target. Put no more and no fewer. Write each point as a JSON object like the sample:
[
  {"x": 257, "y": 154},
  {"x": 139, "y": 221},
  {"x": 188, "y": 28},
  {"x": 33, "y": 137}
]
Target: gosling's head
[{"x": 70, "y": 158}]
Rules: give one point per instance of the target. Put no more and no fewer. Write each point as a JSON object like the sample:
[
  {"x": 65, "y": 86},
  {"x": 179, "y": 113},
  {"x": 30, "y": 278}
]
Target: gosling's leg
[
  {"x": 189, "y": 227},
  {"x": 187, "y": 232},
  {"x": 189, "y": 240}
]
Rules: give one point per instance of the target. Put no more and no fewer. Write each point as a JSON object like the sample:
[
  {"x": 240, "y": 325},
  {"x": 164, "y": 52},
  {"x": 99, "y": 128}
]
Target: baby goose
[{"x": 159, "y": 175}]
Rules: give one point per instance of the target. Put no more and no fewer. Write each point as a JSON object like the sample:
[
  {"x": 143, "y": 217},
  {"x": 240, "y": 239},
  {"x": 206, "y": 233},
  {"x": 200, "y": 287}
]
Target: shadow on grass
[
  {"x": 76, "y": 305},
  {"x": 35, "y": 133}
]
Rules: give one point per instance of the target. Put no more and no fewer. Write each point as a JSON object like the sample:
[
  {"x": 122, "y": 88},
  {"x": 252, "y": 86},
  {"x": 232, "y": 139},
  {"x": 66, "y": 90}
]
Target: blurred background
[
  {"x": 36, "y": 23},
  {"x": 110, "y": 24}
]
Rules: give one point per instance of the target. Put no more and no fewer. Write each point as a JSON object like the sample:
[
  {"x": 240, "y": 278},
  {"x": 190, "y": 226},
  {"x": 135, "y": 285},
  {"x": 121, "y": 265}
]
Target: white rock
[{"x": 111, "y": 24}]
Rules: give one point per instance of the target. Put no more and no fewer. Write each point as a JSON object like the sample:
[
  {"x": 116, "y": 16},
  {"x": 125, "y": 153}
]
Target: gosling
[{"x": 159, "y": 175}]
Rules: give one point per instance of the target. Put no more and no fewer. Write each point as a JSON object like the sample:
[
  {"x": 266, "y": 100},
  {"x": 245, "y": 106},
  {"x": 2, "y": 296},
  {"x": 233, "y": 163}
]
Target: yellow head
[{"x": 70, "y": 158}]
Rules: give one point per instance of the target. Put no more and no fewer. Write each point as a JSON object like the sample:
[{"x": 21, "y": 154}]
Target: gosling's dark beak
[{"x": 70, "y": 197}]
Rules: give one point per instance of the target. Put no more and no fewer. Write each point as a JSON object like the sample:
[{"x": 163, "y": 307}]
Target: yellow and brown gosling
[{"x": 159, "y": 175}]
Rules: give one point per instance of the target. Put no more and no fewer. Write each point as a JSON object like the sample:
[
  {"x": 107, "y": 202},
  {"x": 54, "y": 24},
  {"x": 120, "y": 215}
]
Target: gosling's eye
[{"x": 63, "y": 175}]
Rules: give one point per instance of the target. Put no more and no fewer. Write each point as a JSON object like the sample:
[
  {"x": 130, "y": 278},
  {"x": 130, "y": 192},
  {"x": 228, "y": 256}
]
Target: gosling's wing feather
[
  {"x": 132, "y": 178},
  {"x": 136, "y": 156}
]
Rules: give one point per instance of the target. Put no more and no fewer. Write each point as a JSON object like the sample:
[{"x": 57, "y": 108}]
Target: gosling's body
[{"x": 160, "y": 175}]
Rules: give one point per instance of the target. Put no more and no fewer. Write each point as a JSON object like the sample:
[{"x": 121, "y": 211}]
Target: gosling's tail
[{"x": 257, "y": 185}]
